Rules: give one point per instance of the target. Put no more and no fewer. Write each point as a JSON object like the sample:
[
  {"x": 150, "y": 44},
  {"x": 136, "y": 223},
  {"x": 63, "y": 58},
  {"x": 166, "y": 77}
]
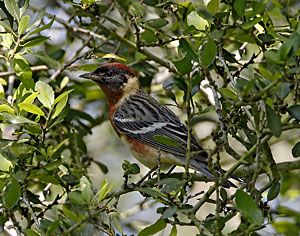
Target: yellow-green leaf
[
  {"x": 6, "y": 108},
  {"x": 31, "y": 108}
]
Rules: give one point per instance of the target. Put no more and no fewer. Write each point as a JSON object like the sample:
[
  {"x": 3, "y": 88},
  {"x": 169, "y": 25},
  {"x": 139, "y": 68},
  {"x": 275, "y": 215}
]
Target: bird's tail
[{"x": 203, "y": 168}]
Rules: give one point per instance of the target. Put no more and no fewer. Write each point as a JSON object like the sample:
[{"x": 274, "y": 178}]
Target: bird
[{"x": 150, "y": 129}]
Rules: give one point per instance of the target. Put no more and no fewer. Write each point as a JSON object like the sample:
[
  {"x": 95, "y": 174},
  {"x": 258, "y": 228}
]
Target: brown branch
[{"x": 33, "y": 69}]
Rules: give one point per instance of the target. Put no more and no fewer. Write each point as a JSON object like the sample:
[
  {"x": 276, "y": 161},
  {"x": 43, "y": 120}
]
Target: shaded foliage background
[{"x": 245, "y": 56}]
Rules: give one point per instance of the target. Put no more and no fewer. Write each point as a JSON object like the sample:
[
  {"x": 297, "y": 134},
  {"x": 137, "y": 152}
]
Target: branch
[{"x": 33, "y": 69}]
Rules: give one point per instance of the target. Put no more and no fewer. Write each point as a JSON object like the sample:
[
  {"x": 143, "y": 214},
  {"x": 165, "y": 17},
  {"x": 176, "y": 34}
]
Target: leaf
[
  {"x": 35, "y": 41},
  {"x": 63, "y": 95},
  {"x": 86, "y": 189},
  {"x": 166, "y": 140},
  {"x": 153, "y": 229},
  {"x": 294, "y": 111},
  {"x": 273, "y": 191},
  {"x": 12, "y": 194},
  {"x": 251, "y": 23},
  {"x": 208, "y": 52},
  {"x": 38, "y": 30},
  {"x": 239, "y": 6},
  {"x": 273, "y": 121},
  {"x": 193, "y": 19},
  {"x": 58, "y": 146},
  {"x": 213, "y": 6},
  {"x": 31, "y": 108},
  {"x": 46, "y": 94},
  {"x": 24, "y": 72},
  {"x": 296, "y": 150},
  {"x": 157, "y": 23},
  {"x": 53, "y": 64},
  {"x": 152, "y": 192},
  {"x": 7, "y": 27},
  {"x": 31, "y": 97},
  {"x": 171, "y": 185},
  {"x": 5, "y": 165},
  {"x": 248, "y": 208},
  {"x": 60, "y": 106},
  {"x": 23, "y": 24},
  {"x": 173, "y": 231},
  {"x": 6, "y": 108},
  {"x": 30, "y": 232},
  {"x": 7, "y": 40},
  {"x": 187, "y": 48},
  {"x": 12, "y": 8},
  {"x": 184, "y": 65},
  {"x": 14, "y": 119}
]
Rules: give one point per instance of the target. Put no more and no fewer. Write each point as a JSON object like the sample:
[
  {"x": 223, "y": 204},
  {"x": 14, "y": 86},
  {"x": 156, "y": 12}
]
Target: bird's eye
[{"x": 109, "y": 73}]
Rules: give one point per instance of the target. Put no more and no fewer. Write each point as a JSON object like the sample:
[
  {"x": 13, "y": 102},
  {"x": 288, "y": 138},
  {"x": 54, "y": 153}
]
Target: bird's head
[{"x": 116, "y": 80}]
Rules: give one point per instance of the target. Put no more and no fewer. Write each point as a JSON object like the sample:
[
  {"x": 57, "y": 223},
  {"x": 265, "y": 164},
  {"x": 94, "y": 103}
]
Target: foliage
[{"x": 247, "y": 52}]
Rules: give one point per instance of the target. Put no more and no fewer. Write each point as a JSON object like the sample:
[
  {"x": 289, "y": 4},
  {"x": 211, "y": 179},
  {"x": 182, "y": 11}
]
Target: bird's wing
[{"x": 141, "y": 117}]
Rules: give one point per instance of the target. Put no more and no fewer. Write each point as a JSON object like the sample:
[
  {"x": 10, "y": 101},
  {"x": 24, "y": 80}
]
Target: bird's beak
[{"x": 89, "y": 75}]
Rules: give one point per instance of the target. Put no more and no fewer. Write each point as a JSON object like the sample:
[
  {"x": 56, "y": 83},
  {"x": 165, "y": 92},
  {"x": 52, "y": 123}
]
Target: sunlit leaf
[
  {"x": 6, "y": 108},
  {"x": 46, "y": 94},
  {"x": 23, "y": 24},
  {"x": 12, "y": 8},
  {"x": 31, "y": 108}
]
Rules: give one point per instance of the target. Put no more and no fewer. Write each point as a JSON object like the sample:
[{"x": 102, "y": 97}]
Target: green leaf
[
  {"x": 157, "y": 23},
  {"x": 239, "y": 6},
  {"x": 86, "y": 189},
  {"x": 166, "y": 140},
  {"x": 60, "y": 106},
  {"x": 152, "y": 192},
  {"x": 7, "y": 27},
  {"x": 188, "y": 50},
  {"x": 24, "y": 72},
  {"x": 213, "y": 6},
  {"x": 58, "y": 146},
  {"x": 70, "y": 214},
  {"x": 23, "y": 24},
  {"x": 14, "y": 119},
  {"x": 31, "y": 97},
  {"x": 53, "y": 64},
  {"x": 251, "y": 23},
  {"x": 273, "y": 121},
  {"x": 46, "y": 94},
  {"x": 171, "y": 185},
  {"x": 5, "y": 165},
  {"x": 30, "y": 232},
  {"x": 294, "y": 111},
  {"x": 153, "y": 229},
  {"x": 31, "y": 108},
  {"x": 12, "y": 8},
  {"x": 7, "y": 40},
  {"x": 12, "y": 194},
  {"x": 248, "y": 208},
  {"x": 208, "y": 52},
  {"x": 229, "y": 93},
  {"x": 273, "y": 191},
  {"x": 193, "y": 19},
  {"x": 296, "y": 150},
  {"x": 184, "y": 65},
  {"x": 173, "y": 231},
  {"x": 35, "y": 41},
  {"x": 136, "y": 9},
  {"x": 6, "y": 108},
  {"x": 38, "y": 30},
  {"x": 62, "y": 96}
]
